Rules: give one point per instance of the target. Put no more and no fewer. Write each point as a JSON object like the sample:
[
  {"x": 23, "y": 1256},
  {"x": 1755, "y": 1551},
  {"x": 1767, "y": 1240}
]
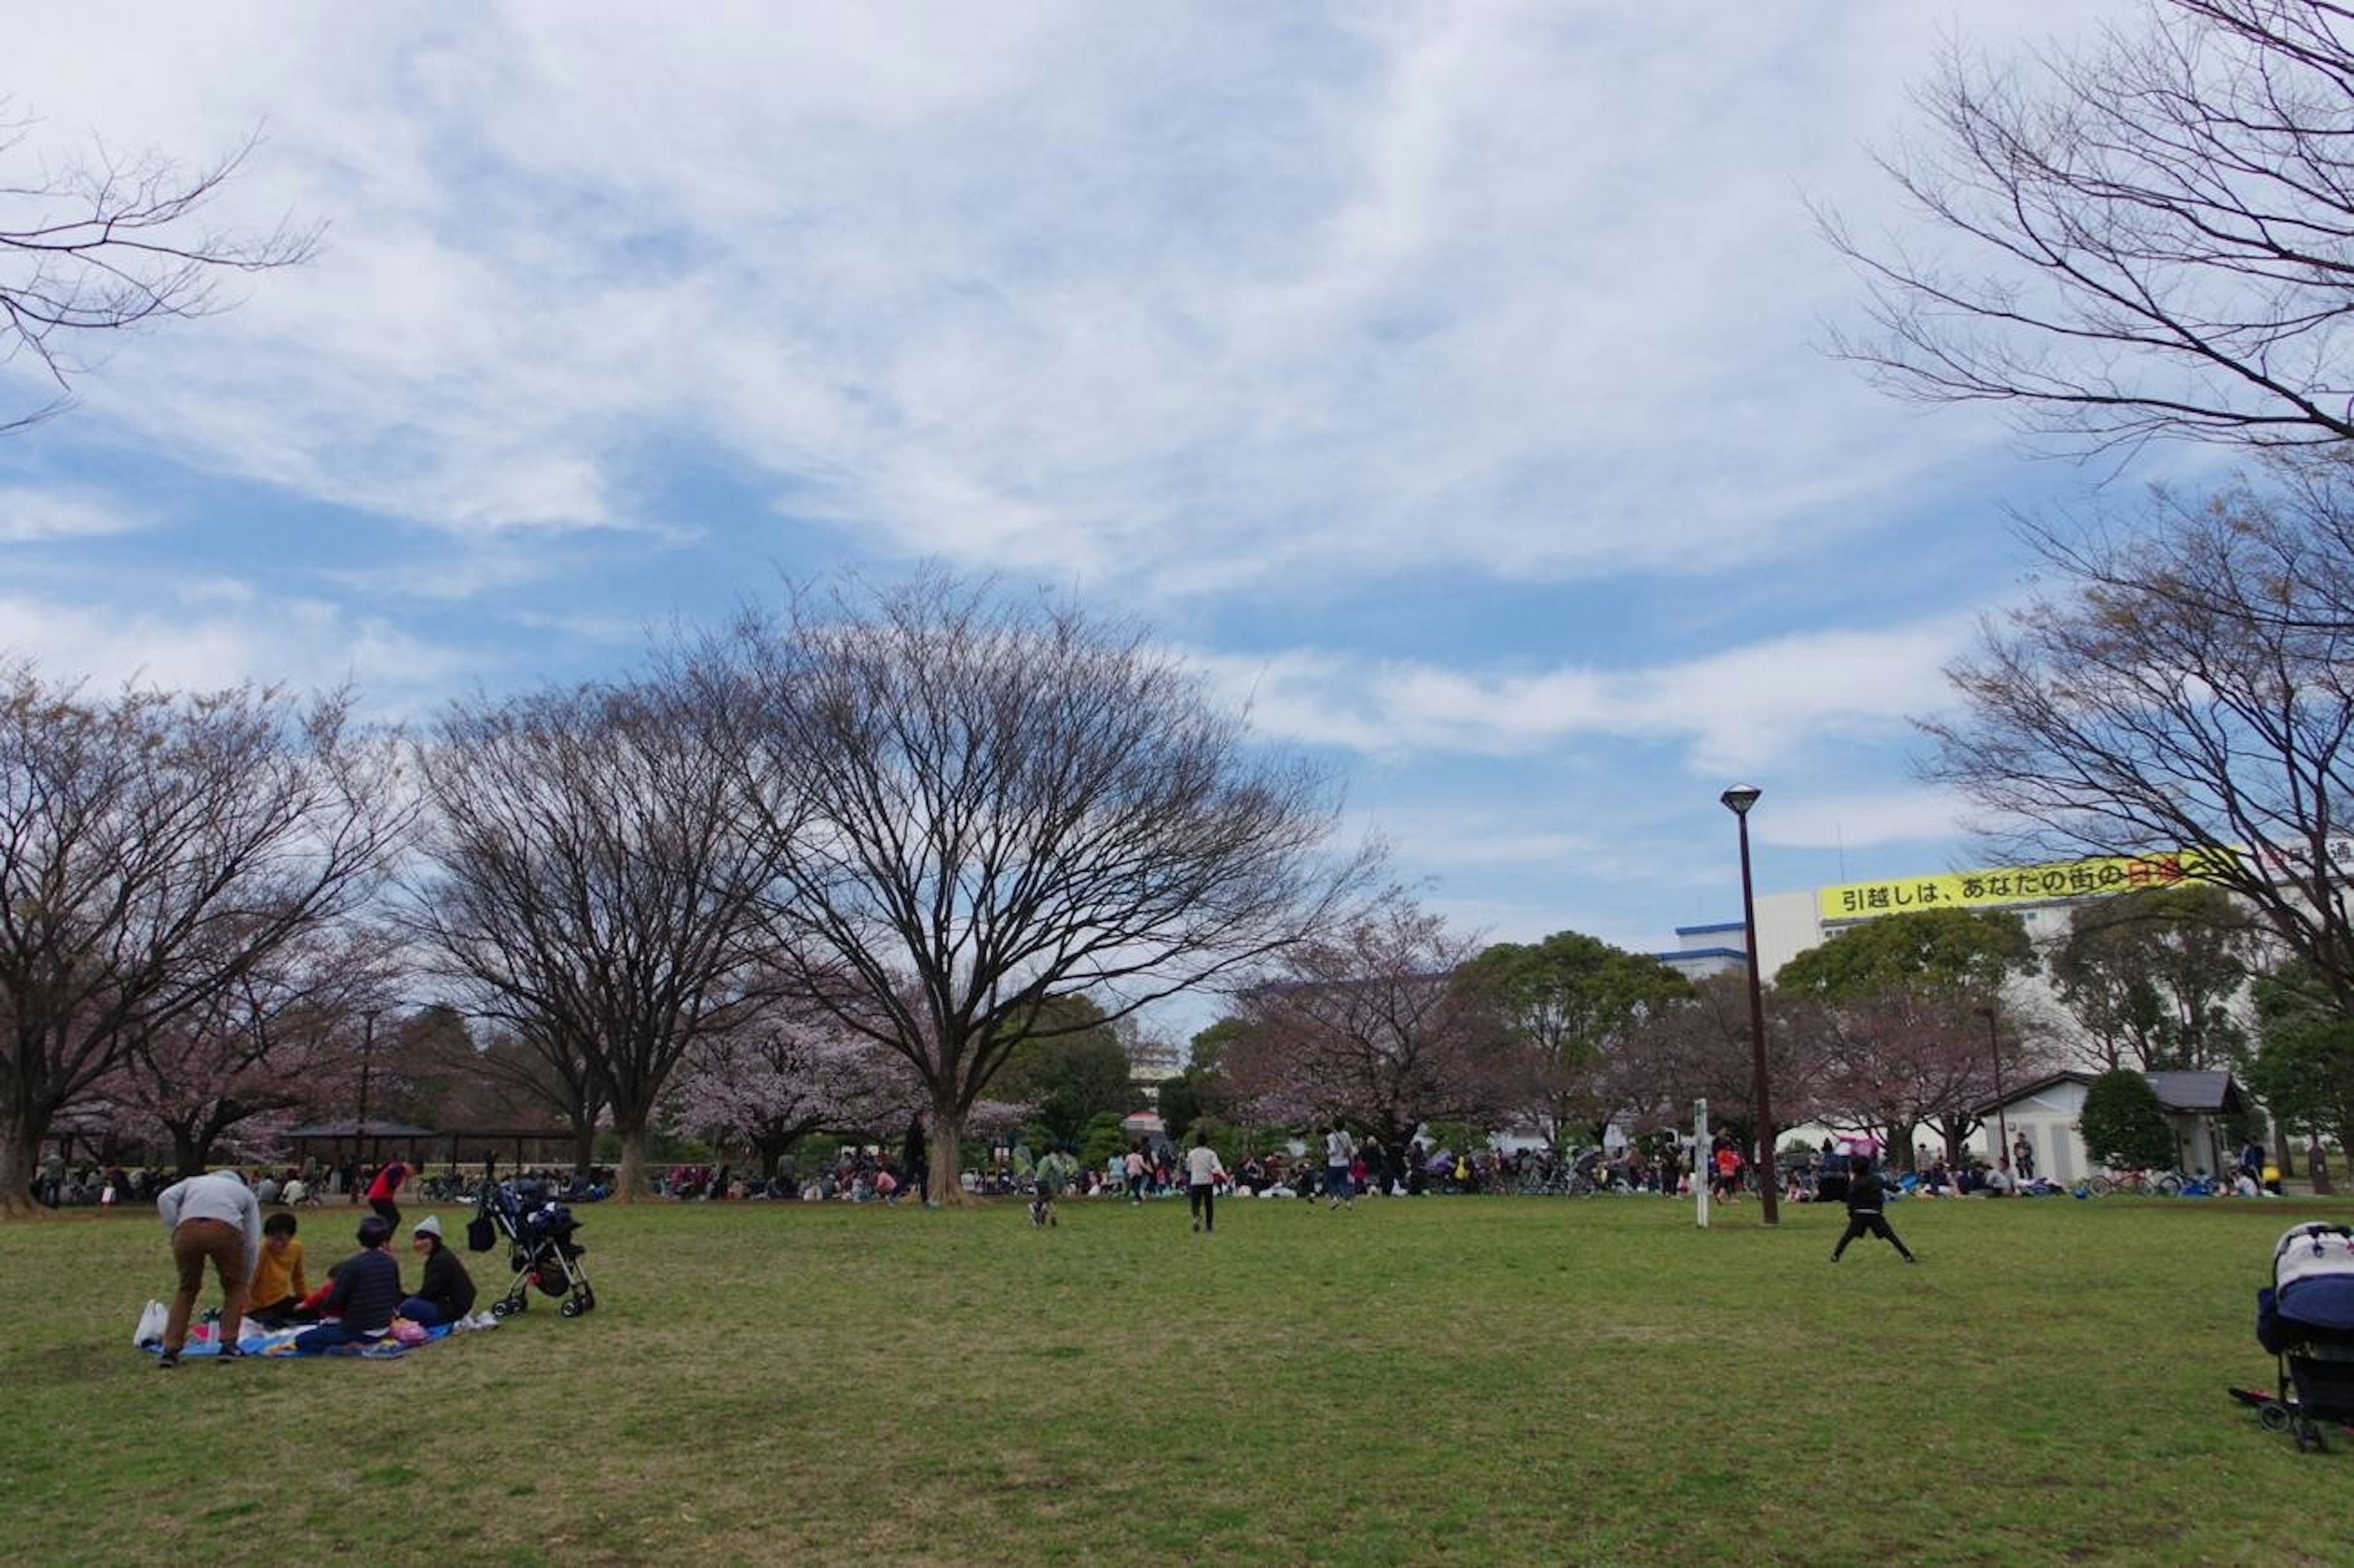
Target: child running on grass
[{"x": 1055, "y": 1168}]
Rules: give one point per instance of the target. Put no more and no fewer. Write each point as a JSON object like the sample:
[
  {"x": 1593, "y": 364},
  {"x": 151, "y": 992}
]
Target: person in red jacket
[{"x": 385, "y": 1188}]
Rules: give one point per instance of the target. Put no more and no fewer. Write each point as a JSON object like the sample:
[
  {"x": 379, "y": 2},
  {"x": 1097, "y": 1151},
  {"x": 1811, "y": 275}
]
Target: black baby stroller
[
  {"x": 544, "y": 1254},
  {"x": 2306, "y": 1318}
]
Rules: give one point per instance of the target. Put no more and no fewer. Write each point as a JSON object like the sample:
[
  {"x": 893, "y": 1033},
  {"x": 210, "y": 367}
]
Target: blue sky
[{"x": 1443, "y": 379}]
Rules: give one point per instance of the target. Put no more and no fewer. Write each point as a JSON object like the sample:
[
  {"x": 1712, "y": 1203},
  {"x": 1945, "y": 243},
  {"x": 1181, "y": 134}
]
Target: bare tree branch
[
  {"x": 109, "y": 242},
  {"x": 2153, "y": 238}
]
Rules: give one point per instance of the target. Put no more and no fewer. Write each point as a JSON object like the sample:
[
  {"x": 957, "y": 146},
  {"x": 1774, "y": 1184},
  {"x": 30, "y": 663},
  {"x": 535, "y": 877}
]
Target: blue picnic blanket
[{"x": 280, "y": 1342}]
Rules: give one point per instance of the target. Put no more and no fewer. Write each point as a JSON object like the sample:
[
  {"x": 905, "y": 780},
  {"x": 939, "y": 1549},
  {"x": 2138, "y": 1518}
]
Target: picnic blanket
[{"x": 204, "y": 1341}]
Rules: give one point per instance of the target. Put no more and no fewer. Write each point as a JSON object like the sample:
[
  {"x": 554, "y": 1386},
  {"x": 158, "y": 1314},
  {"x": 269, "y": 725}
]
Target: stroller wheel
[
  {"x": 2274, "y": 1416},
  {"x": 502, "y": 1307},
  {"x": 571, "y": 1308}
]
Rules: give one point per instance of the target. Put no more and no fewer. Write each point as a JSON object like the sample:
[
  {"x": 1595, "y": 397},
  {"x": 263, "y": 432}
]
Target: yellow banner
[{"x": 2020, "y": 885}]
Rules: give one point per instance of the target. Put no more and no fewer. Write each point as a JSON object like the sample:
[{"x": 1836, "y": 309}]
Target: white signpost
[{"x": 1700, "y": 1159}]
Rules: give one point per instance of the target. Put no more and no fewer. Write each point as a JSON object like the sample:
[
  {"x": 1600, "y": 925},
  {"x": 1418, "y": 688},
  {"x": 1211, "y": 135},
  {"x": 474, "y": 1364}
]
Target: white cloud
[
  {"x": 1743, "y": 708},
  {"x": 223, "y": 636},
  {"x": 28, "y": 516},
  {"x": 1183, "y": 300}
]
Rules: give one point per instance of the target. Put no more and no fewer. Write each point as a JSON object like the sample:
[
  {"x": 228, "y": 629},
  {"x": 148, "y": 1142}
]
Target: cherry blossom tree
[
  {"x": 786, "y": 1072},
  {"x": 230, "y": 1075},
  {"x": 1367, "y": 1026},
  {"x": 156, "y": 852},
  {"x": 1701, "y": 1049}
]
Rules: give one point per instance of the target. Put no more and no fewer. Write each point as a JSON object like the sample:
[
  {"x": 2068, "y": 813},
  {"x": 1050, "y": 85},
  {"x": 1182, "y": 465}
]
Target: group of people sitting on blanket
[
  {"x": 363, "y": 1294},
  {"x": 363, "y": 1297}
]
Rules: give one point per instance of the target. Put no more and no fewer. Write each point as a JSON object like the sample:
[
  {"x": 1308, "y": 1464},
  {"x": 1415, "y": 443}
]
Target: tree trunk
[
  {"x": 19, "y": 1147},
  {"x": 946, "y": 1153},
  {"x": 584, "y": 1145},
  {"x": 187, "y": 1155},
  {"x": 2316, "y": 1165},
  {"x": 629, "y": 1182}
]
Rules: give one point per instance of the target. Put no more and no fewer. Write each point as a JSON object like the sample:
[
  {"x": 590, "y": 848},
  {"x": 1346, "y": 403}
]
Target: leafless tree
[
  {"x": 592, "y": 885},
  {"x": 2181, "y": 690},
  {"x": 108, "y": 243},
  {"x": 1369, "y": 1024},
  {"x": 154, "y": 850},
  {"x": 549, "y": 1073},
  {"x": 981, "y": 805},
  {"x": 1700, "y": 1048},
  {"x": 2155, "y": 233}
]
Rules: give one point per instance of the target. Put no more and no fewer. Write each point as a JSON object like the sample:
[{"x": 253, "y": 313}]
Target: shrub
[{"x": 2123, "y": 1124}]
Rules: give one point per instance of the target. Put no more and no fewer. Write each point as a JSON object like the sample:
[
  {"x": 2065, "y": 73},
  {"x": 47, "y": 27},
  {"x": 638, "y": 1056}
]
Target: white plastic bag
[{"x": 153, "y": 1319}]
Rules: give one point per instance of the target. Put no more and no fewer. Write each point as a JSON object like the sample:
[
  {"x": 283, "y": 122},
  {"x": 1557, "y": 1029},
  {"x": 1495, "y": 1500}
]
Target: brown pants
[{"x": 194, "y": 1243}]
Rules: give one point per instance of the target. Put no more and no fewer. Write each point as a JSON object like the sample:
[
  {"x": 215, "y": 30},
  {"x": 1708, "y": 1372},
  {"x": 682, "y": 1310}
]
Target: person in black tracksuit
[{"x": 1865, "y": 1194}]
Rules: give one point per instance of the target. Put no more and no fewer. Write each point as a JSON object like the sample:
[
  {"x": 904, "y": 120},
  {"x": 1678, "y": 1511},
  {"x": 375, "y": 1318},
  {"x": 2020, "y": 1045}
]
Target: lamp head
[{"x": 1740, "y": 797}]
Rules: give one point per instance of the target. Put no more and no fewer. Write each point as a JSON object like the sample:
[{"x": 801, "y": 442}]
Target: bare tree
[
  {"x": 1370, "y": 1025},
  {"x": 110, "y": 242},
  {"x": 2155, "y": 233},
  {"x": 591, "y": 883},
  {"x": 2181, "y": 690},
  {"x": 981, "y": 805},
  {"x": 154, "y": 852}
]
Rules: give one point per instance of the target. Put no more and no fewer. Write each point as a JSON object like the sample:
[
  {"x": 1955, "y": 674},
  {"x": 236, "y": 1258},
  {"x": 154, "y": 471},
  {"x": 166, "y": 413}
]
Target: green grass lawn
[{"x": 1441, "y": 1380}]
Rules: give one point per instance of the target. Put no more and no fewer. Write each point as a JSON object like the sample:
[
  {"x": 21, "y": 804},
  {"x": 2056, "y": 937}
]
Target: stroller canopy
[{"x": 2313, "y": 1277}]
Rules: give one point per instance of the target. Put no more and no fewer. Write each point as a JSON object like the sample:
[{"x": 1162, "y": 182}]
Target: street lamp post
[
  {"x": 2001, "y": 1122},
  {"x": 367, "y": 1059},
  {"x": 1738, "y": 799}
]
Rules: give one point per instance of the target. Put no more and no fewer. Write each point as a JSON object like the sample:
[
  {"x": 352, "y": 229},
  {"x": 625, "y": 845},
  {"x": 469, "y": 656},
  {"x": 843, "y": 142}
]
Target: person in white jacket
[
  {"x": 210, "y": 1218},
  {"x": 1202, "y": 1174}
]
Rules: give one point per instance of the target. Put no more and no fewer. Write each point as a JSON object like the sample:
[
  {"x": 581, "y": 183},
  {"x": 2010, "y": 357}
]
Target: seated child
[
  {"x": 360, "y": 1305},
  {"x": 279, "y": 1286}
]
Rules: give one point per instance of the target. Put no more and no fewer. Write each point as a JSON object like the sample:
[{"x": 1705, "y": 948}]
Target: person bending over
[{"x": 209, "y": 1219}]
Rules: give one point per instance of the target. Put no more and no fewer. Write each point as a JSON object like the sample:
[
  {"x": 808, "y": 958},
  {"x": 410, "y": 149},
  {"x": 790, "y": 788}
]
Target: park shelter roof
[{"x": 2197, "y": 1093}]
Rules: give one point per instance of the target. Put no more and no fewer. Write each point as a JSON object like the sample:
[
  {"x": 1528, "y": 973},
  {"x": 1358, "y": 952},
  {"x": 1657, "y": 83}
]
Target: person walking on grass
[
  {"x": 1339, "y": 1154},
  {"x": 1866, "y": 1195},
  {"x": 1054, "y": 1172},
  {"x": 210, "y": 1219},
  {"x": 383, "y": 1193},
  {"x": 1202, "y": 1174}
]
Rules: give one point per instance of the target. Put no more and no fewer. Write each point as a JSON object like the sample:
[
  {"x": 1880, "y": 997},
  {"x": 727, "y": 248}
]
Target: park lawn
[{"x": 1435, "y": 1380}]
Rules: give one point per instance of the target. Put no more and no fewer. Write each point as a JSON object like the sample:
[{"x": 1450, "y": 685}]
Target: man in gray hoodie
[{"x": 210, "y": 1218}]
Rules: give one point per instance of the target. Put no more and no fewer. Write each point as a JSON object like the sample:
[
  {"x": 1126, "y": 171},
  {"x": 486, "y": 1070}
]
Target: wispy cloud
[
  {"x": 1750, "y": 706},
  {"x": 29, "y": 515},
  {"x": 224, "y": 635}
]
